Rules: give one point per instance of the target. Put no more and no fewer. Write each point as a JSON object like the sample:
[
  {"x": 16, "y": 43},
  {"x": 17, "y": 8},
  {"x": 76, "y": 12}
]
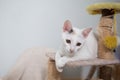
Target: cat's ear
[
  {"x": 86, "y": 32},
  {"x": 67, "y": 26}
]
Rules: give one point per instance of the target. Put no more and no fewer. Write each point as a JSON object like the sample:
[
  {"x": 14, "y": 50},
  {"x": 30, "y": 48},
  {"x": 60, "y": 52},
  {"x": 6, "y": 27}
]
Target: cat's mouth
[{"x": 71, "y": 54}]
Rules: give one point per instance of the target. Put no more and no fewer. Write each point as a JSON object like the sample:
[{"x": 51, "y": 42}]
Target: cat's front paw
[
  {"x": 61, "y": 63},
  {"x": 59, "y": 69}
]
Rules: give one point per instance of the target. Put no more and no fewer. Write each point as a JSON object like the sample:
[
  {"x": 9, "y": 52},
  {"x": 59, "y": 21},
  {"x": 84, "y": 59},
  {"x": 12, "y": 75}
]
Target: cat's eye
[
  {"x": 78, "y": 44},
  {"x": 68, "y": 41}
]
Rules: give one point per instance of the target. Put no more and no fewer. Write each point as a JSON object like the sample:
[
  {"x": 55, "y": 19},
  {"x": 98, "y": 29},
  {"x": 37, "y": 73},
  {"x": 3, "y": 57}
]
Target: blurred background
[{"x": 30, "y": 23}]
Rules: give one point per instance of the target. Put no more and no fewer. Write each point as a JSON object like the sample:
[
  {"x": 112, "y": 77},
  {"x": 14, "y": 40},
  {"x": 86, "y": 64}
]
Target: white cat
[{"x": 78, "y": 44}]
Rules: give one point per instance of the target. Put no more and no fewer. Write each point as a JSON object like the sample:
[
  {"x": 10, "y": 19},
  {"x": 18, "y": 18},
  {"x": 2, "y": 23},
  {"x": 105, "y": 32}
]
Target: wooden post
[
  {"x": 105, "y": 29},
  {"x": 105, "y": 73},
  {"x": 91, "y": 73},
  {"x": 116, "y": 73},
  {"x": 53, "y": 74}
]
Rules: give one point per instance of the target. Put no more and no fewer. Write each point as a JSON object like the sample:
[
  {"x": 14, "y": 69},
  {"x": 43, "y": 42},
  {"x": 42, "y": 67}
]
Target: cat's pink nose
[{"x": 71, "y": 50}]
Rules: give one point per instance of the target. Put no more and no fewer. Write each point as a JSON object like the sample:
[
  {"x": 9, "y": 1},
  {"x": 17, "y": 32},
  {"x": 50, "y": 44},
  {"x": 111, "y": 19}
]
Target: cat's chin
[{"x": 71, "y": 54}]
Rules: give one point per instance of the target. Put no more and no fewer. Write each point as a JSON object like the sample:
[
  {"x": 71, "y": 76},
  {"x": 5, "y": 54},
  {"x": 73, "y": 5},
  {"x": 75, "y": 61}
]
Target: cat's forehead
[
  {"x": 77, "y": 33},
  {"x": 76, "y": 30}
]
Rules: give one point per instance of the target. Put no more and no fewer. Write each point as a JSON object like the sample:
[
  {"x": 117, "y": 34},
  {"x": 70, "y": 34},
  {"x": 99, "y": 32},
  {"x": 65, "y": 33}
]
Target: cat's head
[{"x": 73, "y": 38}]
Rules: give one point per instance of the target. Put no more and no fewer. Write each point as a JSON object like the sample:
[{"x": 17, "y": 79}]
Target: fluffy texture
[
  {"x": 32, "y": 65},
  {"x": 96, "y": 8},
  {"x": 103, "y": 51},
  {"x": 110, "y": 42}
]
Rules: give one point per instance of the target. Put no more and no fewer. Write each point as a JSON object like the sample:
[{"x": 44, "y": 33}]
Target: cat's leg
[
  {"x": 57, "y": 62},
  {"x": 61, "y": 62}
]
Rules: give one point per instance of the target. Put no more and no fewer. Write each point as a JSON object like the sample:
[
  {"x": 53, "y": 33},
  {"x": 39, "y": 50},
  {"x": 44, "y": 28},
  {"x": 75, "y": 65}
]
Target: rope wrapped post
[
  {"x": 106, "y": 28},
  {"x": 53, "y": 74},
  {"x": 107, "y": 40}
]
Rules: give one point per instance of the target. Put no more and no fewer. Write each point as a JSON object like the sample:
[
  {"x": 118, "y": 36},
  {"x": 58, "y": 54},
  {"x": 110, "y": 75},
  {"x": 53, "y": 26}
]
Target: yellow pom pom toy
[
  {"x": 110, "y": 42},
  {"x": 107, "y": 39}
]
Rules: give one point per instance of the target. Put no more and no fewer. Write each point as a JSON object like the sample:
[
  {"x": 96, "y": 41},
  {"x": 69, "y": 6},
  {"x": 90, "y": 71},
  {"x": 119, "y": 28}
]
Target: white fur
[{"x": 88, "y": 49}]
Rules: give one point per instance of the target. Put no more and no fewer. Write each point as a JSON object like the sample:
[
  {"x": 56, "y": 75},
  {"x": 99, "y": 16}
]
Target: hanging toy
[{"x": 111, "y": 41}]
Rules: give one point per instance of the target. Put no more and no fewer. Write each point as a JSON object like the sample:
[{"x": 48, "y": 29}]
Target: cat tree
[
  {"x": 106, "y": 35},
  {"x": 107, "y": 40},
  {"x": 106, "y": 28},
  {"x": 53, "y": 74}
]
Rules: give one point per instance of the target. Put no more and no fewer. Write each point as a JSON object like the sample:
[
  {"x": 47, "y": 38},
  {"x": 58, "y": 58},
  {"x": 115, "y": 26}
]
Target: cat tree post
[
  {"x": 105, "y": 29},
  {"x": 53, "y": 74}
]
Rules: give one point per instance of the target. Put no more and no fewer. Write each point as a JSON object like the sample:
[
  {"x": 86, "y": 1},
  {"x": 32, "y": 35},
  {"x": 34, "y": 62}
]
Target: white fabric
[{"x": 32, "y": 65}]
